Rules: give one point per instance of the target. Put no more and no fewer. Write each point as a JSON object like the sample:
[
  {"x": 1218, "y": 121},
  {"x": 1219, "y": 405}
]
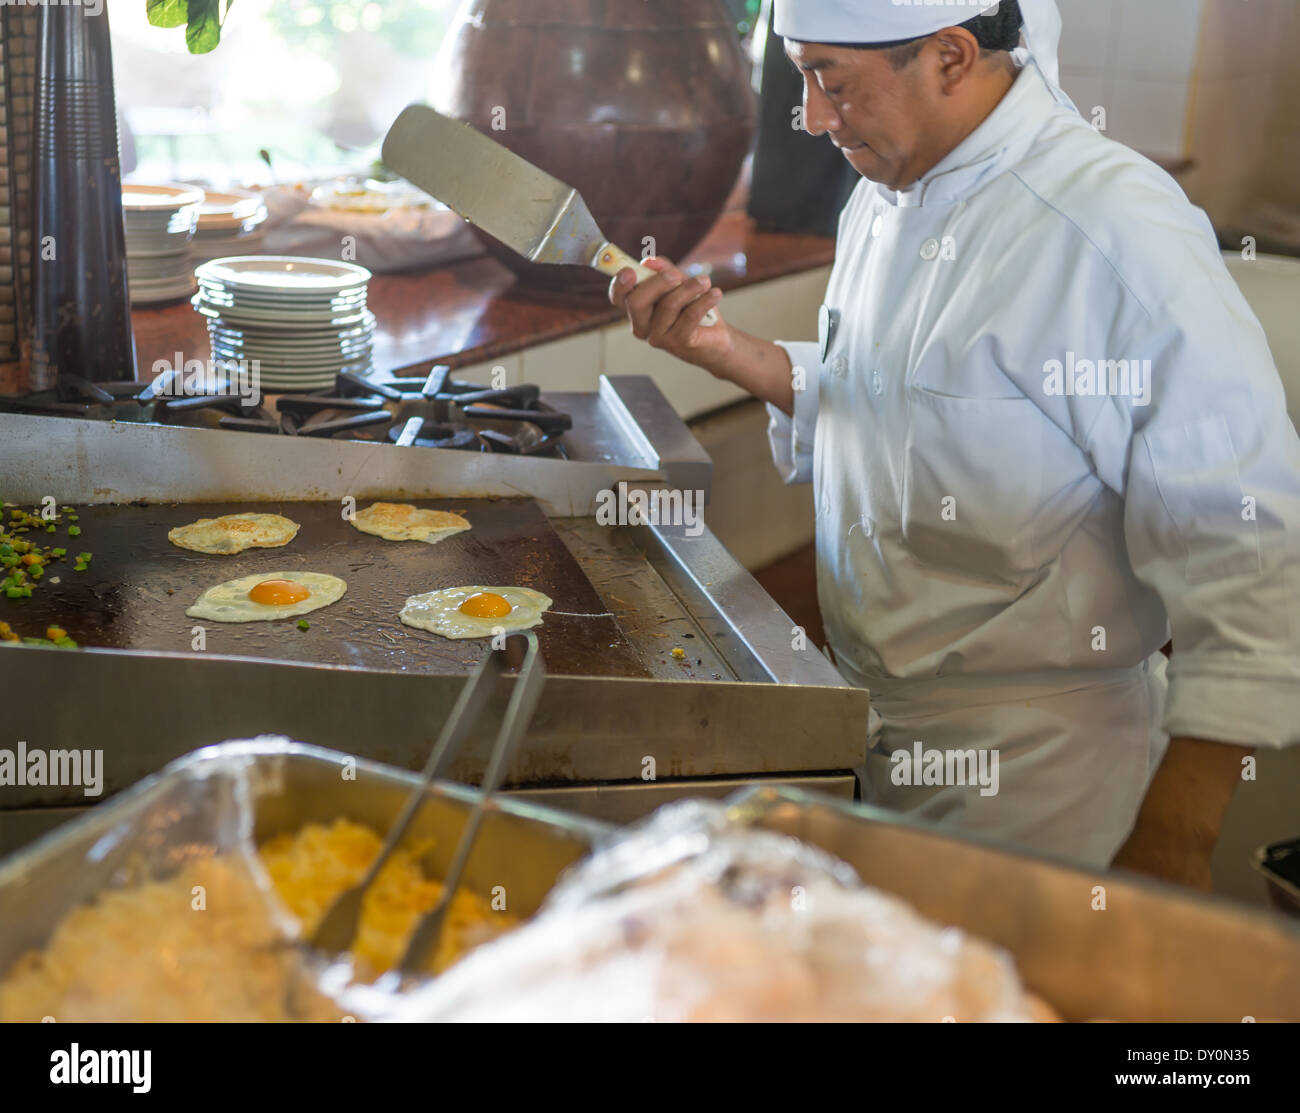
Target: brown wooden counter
[{"x": 470, "y": 312}]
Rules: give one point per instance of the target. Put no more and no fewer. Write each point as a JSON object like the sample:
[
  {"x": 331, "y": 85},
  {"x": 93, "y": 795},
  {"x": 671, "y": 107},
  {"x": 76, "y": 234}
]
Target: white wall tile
[
  {"x": 573, "y": 363},
  {"x": 1087, "y": 90},
  {"x": 1157, "y": 38},
  {"x": 1148, "y": 115},
  {"x": 1088, "y": 36},
  {"x": 691, "y": 390}
]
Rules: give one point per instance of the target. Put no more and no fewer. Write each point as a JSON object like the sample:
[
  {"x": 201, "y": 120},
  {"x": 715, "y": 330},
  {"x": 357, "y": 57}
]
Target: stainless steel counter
[{"x": 741, "y": 702}]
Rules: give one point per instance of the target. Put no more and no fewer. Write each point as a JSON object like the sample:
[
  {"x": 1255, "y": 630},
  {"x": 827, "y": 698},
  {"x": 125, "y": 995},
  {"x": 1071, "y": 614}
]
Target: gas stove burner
[
  {"x": 435, "y": 411},
  {"x": 74, "y": 396},
  {"x": 434, "y": 434},
  {"x": 439, "y": 412}
]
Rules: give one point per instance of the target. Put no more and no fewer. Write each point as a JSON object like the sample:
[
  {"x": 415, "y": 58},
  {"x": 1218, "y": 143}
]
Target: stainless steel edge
[
  {"x": 740, "y": 617},
  {"x": 626, "y": 803},
  {"x": 1149, "y": 951},
  {"x": 598, "y": 803},
  {"x": 638, "y": 408},
  {"x": 84, "y": 461},
  {"x": 146, "y": 709}
]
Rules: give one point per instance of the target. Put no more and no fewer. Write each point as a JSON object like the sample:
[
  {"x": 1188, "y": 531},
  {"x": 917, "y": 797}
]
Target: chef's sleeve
[
  {"x": 1212, "y": 518},
  {"x": 792, "y": 438}
]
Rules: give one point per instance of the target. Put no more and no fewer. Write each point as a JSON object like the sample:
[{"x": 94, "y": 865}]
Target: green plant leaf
[
  {"x": 203, "y": 31},
  {"x": 168, "y": 13}
]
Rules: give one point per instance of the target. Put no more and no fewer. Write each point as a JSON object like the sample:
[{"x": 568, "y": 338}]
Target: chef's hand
[
  {"x": 666, "y": 311},
  {"x": 1180, "y": 818}
]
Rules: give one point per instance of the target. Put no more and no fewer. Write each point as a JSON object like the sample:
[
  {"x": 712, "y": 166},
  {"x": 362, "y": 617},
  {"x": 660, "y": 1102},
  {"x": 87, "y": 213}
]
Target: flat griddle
[{"x": 138, "y": 585}]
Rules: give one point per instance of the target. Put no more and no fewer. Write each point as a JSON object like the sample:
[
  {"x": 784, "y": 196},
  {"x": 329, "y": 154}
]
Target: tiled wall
[
  {"x": 1135, "y": 58},
  {"x": 1215, "y": 81}
]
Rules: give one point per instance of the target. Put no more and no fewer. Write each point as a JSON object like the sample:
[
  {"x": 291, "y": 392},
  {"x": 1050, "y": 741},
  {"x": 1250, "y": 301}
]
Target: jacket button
[
  {"x": 877, "y": 382},
  {"x": 930, "y": 250},
  {"x": 877, "y": 226},
  {"x": 839, "y": 367}
]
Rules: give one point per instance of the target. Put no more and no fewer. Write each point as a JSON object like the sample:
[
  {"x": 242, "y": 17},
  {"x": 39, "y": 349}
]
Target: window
[{"x": 314, "y": 83}]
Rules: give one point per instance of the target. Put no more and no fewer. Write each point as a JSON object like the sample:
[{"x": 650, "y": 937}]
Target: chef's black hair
[{"x": 994, "y": 31}]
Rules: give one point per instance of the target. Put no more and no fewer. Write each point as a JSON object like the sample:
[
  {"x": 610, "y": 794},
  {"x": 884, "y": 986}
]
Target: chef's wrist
[{"x": 757, "y": 366}]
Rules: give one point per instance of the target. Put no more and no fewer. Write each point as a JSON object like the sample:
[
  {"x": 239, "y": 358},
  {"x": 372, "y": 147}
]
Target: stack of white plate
[
  {"x": 229, "y": 224},
  {"x": 159, "y": 222},
  {"x": 300, "y": 320}
]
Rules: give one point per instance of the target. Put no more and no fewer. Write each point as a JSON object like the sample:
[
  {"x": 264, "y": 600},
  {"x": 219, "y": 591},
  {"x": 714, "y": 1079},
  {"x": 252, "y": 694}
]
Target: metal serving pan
[
  {"x": 1280, "y": 866},
  {"x": 276, "y": 786},
  {"x": 1155, "y": 952}
]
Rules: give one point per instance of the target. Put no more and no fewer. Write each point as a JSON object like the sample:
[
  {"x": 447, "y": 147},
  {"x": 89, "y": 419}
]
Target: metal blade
[{"x": 492, "y": 187}]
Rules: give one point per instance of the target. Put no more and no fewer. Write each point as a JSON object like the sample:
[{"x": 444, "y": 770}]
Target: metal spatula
[{"x": 508, "y": 197}]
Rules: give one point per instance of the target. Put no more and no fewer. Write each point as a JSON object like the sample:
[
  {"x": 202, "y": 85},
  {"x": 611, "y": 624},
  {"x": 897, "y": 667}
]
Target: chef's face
[{"x": 889, "y": 121}]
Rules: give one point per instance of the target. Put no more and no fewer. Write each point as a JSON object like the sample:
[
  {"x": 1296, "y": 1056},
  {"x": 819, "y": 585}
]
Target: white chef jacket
[{"x": 1000, "y": 559}]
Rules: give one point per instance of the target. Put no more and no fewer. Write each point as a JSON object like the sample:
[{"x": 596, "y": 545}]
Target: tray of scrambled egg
[{"x": 183, "y": 898}]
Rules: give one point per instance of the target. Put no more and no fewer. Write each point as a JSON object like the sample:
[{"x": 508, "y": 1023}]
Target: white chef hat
[{"x": 886, "y": 21}]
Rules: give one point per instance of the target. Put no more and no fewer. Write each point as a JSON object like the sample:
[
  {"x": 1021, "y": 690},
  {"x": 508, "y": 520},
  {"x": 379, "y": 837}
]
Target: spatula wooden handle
[{"x": 611, "y": 259}]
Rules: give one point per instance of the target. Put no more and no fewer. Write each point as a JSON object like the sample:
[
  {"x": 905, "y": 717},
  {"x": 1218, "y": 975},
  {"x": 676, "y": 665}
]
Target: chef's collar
[{"x": 1005, "y": 134}]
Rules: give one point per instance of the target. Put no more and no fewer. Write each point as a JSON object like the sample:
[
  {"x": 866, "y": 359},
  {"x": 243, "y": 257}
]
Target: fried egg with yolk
[
  {"x": 475, "y": 612},
  {"x": 233, "y": 533},
  {"x": 268, "y": 595},
  {"x": 400, "y": 521}
]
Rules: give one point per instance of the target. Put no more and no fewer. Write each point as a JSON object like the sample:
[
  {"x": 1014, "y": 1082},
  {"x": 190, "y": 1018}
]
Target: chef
[{"x": 1045, "y": 435}]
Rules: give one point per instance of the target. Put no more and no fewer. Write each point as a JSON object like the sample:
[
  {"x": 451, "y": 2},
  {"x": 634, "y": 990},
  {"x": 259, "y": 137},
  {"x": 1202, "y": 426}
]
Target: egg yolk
[
  {"x": 485, "y": 604},
  {"x": 278, "y": 593}
]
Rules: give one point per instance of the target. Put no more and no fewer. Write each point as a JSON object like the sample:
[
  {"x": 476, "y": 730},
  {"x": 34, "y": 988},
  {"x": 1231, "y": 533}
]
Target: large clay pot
[{"x": 645, "y": 107}]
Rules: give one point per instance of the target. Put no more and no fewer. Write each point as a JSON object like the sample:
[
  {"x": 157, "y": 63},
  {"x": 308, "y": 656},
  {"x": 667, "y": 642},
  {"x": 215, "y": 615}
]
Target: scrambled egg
[
  {"x": 310, "y": 868},
  {"x": 207, "y": 945}
]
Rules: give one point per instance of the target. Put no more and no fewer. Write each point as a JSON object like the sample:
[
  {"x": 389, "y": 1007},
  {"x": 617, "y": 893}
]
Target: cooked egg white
[
  {"x": 400, "y": 521},
  {"x": 268, "y": 595},
  {"x": 475, "y": 612},
  {"x": 233, "y": 533}
]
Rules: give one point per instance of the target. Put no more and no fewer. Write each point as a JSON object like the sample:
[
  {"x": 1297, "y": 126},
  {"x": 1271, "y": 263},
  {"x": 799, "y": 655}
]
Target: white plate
[
  {"x": 291, "y": 342},
  {"x": 234, "y": 240},
  {"x": 284, "y": 273},
  {"x": 294, "y": 350},
  {"x": 293, "y": 323},
  {"x": 270, "y": 304},
  {"x": 219, "y": 210},
  {"x": 364, "y": 330},
  {"x": 138, "y": 198},
  {"x": 292, "y": 370},
  {"x": 166, "y": 241},
  {"x": 280, "y": 380}
]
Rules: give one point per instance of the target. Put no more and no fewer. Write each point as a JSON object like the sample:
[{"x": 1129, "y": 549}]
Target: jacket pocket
[
  {"x": 974, "y": 479},
  {"x": 1199, "y": 480}
]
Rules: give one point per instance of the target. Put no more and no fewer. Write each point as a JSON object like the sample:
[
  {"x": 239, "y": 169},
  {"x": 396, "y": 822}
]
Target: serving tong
[{"x": 338, "y": 927}]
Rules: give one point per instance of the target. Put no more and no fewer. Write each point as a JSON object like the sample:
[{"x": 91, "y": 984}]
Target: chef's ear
[{"x": 957, "y": 52}]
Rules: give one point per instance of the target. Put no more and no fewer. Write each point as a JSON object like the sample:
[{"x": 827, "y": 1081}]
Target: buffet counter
[{"x": 470, "y": 313}]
